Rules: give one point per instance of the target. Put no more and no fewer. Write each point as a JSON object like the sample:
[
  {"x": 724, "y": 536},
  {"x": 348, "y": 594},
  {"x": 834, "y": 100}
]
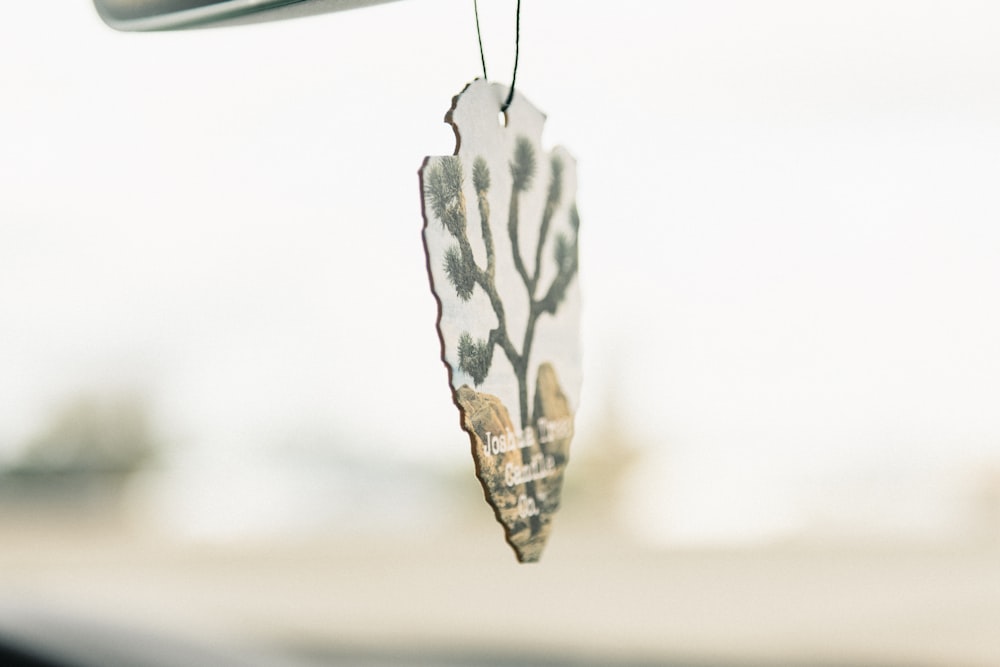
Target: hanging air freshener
[{"x": 500, "y": 231}]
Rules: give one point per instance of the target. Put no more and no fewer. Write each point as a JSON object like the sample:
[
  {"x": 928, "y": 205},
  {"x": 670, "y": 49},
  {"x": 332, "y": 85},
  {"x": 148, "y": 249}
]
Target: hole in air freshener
[{"x": 502, "y": 119}]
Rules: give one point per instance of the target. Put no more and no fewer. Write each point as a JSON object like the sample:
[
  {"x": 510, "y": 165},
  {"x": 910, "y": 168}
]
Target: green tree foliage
[
  {"x": 443, "y": 186},
  {"x": 475, "y": 357},
  {"x": 92, "y": 435},
  {"x": 461, "y": 273},
  {"x": 522, "y": 169}
]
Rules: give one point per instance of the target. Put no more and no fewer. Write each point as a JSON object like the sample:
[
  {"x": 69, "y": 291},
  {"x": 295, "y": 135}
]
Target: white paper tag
[{"x": 500, "y": 231}]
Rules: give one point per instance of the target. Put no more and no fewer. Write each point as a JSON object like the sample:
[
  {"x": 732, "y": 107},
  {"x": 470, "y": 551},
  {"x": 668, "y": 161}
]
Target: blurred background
[{"x": 223, "y": 413}]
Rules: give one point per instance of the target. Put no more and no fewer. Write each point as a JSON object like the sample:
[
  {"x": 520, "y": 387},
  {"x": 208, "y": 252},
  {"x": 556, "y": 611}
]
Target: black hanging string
[
  {"x": 517, "y": 51},
  {"x": 479, "y": 34}
]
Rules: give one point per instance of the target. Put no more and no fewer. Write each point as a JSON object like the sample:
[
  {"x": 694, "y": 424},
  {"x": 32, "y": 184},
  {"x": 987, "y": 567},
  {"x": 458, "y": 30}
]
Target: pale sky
[{"x": 790, "y": 249}]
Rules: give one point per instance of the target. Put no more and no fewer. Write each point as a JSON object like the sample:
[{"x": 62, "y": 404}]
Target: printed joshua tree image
[
  {"x": 444, "y": 191},
  {"x": 501, "y": 234}
]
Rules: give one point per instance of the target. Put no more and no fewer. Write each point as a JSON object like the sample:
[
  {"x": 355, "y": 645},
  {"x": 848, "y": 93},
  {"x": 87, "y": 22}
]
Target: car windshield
[{"x": 224, "y": 418}]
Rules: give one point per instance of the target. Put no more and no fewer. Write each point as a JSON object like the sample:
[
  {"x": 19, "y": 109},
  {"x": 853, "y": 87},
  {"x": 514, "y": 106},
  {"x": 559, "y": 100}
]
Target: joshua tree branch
[
  {"x": 515, "y": 243},
  {"x": 481, "y": 180},
  {"x": 499, "y": 334},
  {"x": 522, "y": 171},
  {"x": 567, "y": 260},
  {"x": 557, "y": 292},
  {"x": 551, "y": 202}
]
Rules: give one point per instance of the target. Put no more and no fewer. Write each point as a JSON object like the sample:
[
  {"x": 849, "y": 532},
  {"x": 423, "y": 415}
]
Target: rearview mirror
[{"x": 140, "y": 15}]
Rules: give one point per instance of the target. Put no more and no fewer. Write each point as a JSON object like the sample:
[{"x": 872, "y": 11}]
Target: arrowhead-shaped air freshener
[{"x": 500, "y": 230}]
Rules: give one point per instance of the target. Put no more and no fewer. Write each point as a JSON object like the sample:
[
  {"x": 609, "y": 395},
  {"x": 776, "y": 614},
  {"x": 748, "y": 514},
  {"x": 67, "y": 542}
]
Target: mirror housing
[{"x": 146, "y": 15}]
